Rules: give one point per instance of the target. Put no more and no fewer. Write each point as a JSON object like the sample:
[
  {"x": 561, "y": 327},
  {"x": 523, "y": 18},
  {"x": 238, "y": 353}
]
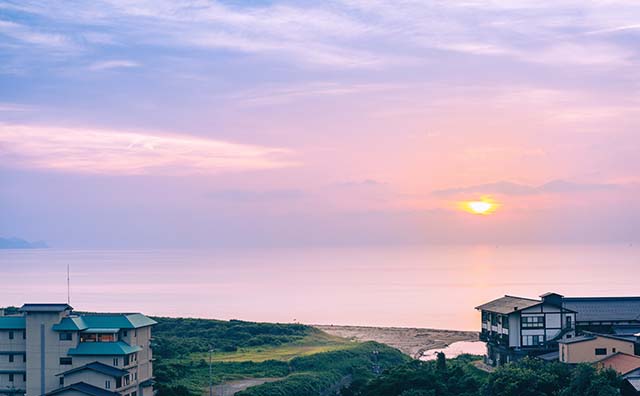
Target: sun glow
[{"x": 483, "y": 206}]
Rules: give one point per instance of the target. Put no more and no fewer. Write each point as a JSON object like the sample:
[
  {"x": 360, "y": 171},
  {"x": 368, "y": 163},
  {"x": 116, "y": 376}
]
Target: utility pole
[{"x": 210, "y": 371}]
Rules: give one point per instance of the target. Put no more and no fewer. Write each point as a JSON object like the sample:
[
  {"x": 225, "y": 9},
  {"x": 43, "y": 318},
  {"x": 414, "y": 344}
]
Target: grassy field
[
  {"x": 303, "y": 356},
  {"x": 313, "y": 343}
]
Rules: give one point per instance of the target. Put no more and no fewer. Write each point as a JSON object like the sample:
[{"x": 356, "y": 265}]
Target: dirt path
[
  {"x": 412, "y": 341},
  {"x": 230, "y": 388}
]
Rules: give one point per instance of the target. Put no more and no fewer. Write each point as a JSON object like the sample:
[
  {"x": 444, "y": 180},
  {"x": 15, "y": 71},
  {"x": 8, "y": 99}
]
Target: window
[
  {"x": 601, "y": 351},
  {"x": 533, "y": 322},
  {"x": 532, "y": 340},
  {"x": 66, "y": 336},
  {"x": 568, "y": 321},
  {"x": 116, "y": 361},
  {"x": 24, "y": 358},
  {"x": 24, "y": 377},
  {"x": 124, "y": 333},
  {"x": 134, "y": 393},
  {"x": 505, "y": 322},
  {"x": 11, "y": 335},
  {"x": 10, "y": 358},
  {"x": 10, "y": 377},
  {"x": 61, "y": 381},
  {"x": 107, "y": 384},
  {"x": 65, "y": 361},
  {"x": 24, "y": 335}
]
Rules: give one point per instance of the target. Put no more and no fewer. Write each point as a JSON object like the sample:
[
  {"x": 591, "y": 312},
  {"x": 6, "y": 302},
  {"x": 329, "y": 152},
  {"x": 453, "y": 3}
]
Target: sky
[{"x": 197, "y": 124}]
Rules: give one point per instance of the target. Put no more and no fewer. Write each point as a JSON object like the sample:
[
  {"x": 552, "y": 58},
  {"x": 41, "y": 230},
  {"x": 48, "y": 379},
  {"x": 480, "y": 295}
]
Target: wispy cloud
[
  {"x": 509, "y": 188},
  {"x": 113, "y": 64},
  {"x": 90, "y": 150},
  {"x": 354, "y": 33}
]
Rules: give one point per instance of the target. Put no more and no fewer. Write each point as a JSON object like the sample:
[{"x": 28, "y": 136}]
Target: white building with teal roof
[{"x": 47, "y": 349}]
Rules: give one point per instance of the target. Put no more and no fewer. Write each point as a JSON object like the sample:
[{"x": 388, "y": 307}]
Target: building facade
[
  {"x": 514, "y": 327},
  {"x": 48, "y": 349},
  {"x": 589, "y": 348}
]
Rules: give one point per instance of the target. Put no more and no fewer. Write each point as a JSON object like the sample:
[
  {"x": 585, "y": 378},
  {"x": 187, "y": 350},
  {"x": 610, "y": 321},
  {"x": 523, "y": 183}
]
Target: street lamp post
[{"x": 210, "y": 371}]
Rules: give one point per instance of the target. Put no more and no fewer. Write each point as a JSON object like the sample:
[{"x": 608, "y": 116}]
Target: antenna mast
[{"x": 68, "y": 286}]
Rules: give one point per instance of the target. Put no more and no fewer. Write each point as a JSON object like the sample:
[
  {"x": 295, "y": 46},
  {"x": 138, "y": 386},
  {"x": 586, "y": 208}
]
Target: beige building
[
  {"x": 590, "y": 347},
  {"x": 49, "y": 350}
]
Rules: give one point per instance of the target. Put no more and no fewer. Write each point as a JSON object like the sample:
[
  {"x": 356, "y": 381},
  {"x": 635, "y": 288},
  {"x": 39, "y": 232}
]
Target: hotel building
[{"x": 47, "y": 349}]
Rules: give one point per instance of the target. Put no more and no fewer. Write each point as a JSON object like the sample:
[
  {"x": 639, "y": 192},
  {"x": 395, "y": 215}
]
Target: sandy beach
[{"x": 412, "y": 341}]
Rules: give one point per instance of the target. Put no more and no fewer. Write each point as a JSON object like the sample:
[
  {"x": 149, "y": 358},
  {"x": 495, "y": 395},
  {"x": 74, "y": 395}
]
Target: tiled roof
[
  {"x": 99, "y": 368},
  {"x": 508, "y": 304},
  {"x": 103, "y": 349},
  {"x": 104, "y": 321},
  {"x": 635, "y": 382},
  {"x": 621, "y": 362},
  {"x": 592, "y": 336},
  {"x": 83, "y": 388},
  {"x": 45, "y": 307},
  {"x": 550, "y": 357},
  {"x": 604, "y": 309},
  {"x": 12, "y": 322}
]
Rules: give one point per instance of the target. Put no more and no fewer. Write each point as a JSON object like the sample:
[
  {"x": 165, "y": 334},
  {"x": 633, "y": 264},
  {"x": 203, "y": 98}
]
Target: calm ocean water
[{"x": 401, "y": 286}]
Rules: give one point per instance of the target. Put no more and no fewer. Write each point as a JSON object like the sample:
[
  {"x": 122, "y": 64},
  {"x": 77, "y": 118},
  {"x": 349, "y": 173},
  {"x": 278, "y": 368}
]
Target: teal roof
[
  {"x": 12, "y": 323},
  {"x": 71, "y": 323},
  {"x": 104, "y": 321},
  {"x": 103, "y": 349}
]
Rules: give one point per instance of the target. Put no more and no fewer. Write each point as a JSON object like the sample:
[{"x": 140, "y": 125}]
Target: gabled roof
[
  {"x": 508, "y": 304},
  {"x": 621, "y": 362},
  {"x": 604, "y": 309},
  {"x": 83, "y": 388},
  {"x": 12, "y": 323},
  {"x": 99, "y": 368},
  {"x": 592, "y": 336},
  {"x": 103, "y": 349},
  {"x": 45, "y": 307},
  {"x": 104, "y": 321},
  {"x": 634, "y": 382}
]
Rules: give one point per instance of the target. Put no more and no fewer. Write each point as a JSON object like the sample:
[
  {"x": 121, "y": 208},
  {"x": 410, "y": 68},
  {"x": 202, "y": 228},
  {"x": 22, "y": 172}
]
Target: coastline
[{"x": 410, "y": 341}]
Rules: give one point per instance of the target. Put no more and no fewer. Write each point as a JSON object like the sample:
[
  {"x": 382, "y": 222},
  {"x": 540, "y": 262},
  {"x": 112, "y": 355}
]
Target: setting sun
[{"x": 483, "y": 206}]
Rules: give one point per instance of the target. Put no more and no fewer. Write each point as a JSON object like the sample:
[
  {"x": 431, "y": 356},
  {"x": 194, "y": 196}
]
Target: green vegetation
[
  {"x": 458, "y": 377},
  {"x": 309, "y": 359}
]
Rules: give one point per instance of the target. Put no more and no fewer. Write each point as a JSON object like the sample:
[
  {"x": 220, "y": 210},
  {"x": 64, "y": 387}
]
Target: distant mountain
[{"x": 17, "y": 243}]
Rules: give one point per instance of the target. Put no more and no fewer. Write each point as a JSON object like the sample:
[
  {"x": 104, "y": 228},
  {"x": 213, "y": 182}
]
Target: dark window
[
  {"x": 11, "y": 335},
  {"x": 505, "y": 322},
  {"x": 124, "y": 333},
  {"x": 61, "y": 381},
  {"x": 530, "y": 322},
  {"x": 24, "y": 377},
  {"x": 10, "y": 358},
  {"x": 24, "y": 358},
  {"x": 601, "y": 351},
  {"x": 10, "y": 377},
  {"x": 66, "y": 336},
  {"x": 65, "y": 361},
  {"x": 24, "y": 335},
  {"x": 569, "y": 321},
  {"x": 134, "y": 393},
  {"x": 107, "y": 384},
  {"x": 116, "y": 361},
  {"x": 613, "y": 350}
]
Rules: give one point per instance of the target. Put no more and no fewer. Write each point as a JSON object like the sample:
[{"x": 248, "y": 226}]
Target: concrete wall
[
  {"x": 41, "y": 338},
  {"x": 584, "y": 352},
  {"x": 91, "y": 378}
]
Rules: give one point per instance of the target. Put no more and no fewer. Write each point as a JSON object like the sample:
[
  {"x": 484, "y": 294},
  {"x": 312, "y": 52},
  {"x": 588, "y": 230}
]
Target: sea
[{"x": 400, "y": 286}]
